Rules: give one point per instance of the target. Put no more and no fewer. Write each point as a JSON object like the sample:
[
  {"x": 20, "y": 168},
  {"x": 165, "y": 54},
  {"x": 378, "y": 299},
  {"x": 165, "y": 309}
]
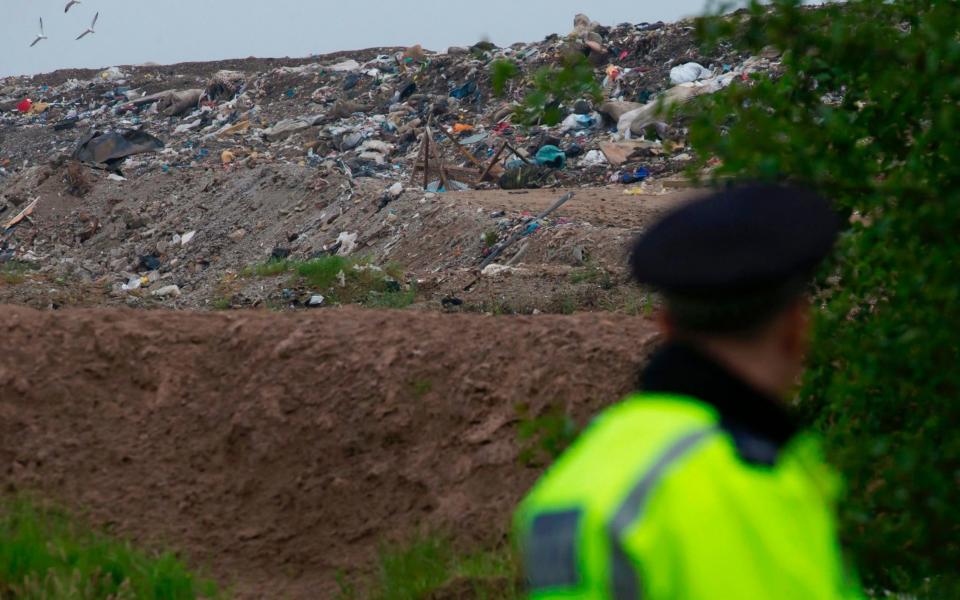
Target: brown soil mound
[{"x": 278, "y": 449}]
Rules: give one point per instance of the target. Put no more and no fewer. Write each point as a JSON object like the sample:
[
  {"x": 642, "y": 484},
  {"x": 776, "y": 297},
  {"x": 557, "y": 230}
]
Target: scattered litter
[
  {"x": 320, "y": 150},
  {"x": 347, "y": 65},
  {"x": 23, "y": 214},
  {"x": 149, "y": 262},
  {"x": 688, "y": 72},
  {"x": 593, "y": 158},
  {"x": 168, "y": 290},
  {"x": 347, "y": 243},
  {"x": 111, "y": 148},
  {"x": 551, "y": 156},
  {"x": 617, "y": 153},
  {"x": 474, "y": 139},
  {"x": 634, "y": 176},
  {"x": 495, "y": 270},
  {"x": 133, "y": 283}
]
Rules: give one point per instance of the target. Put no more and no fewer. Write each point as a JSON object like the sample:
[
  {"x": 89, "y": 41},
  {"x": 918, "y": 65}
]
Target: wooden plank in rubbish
[
  {"x": 493, "y": 161},
  {"x": 466, "y": 153},
  {"x": 23, "y": 214},
  {"x": 443, "y": 172},
  {"x": 522, "y": 156},
  {"x": 618, "y": 153},
  {"x": 427, "y": 148},
  {"x": 426, "y": 156},
  {"x": 459, "y": 172}
]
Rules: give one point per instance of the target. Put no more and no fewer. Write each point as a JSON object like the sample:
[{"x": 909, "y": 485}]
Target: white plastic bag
[{"x": 688, "y": 72}]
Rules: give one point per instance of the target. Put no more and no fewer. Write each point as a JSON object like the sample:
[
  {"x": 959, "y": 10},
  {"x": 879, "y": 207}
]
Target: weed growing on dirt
[
  {"x": 222, "y": 303},
  {"x": 45, "y": 554},
  {"x": 322, "y": 272},
  {"x": 344, "y": 280},
  {"x": 78, "y": 184},
  {"x": 568, "y": 305},
  {"x": 490, "y": 239},
  {"x": 592, "y": 274},
  {"x": 270, "y": 268},
  {"x": 421, "y": 387},
  {"x": 391, "y": 299},
  {"x": 429, "y": 567},
  {"x": 545, "y": 436},
  {"x": 15, "y": 271}
]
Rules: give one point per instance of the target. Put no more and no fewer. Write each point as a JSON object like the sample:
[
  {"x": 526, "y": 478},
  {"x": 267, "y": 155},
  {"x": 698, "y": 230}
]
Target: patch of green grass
[
  {"x": 568, "y": 305},
  {"x": 543, "y": 437},
  {"x": 421, "y": 387},
  {"x": 647, "y": 306},
  {"x": 429, "y": 567},
  {"x": 46, "y": 554},
  {"x": 490, "y": 239},
  {"x": 271, "y": 268},
  {"x": 15, "y": 271},
  {"x": 391, "y": 298},
  {"x": 222, "y": 303},
  {"x": 592, "y": 274},
  {"x": 344, "y": 280},
  {"x": 635, "y": 304},
  {"x": 322, "y": 272}
]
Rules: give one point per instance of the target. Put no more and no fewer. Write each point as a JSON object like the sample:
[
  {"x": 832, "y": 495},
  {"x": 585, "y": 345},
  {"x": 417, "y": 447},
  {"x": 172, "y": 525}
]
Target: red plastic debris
[{"x": 25, "y": 105}]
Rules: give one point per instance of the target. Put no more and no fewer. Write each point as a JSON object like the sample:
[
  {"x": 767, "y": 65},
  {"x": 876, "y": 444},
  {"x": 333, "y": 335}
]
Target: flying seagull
[
  {"x": 70, "y": 5},
  {"x": 92, "y": 25},
  {"x": 40, "y": 36}
]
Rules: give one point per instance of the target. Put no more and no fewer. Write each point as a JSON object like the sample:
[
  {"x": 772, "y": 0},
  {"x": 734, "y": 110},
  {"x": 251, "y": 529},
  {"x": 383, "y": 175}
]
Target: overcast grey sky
[{"x": 169, "y": 31}]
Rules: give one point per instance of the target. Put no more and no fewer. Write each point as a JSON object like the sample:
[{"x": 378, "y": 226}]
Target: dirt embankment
[{"x": 278, "y": 449}]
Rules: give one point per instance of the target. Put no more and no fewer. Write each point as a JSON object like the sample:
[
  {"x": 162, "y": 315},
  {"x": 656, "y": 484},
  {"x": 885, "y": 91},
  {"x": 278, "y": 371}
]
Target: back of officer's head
[{"x": 733, "y": 267}]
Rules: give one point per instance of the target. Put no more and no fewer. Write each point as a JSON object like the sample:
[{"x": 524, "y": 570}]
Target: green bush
[
  {"x": 502, "y": 71},
  {"x": 866, "y": 110},
  {"x": 552, "y": 87},
  {"x": 44, "y": 554}
]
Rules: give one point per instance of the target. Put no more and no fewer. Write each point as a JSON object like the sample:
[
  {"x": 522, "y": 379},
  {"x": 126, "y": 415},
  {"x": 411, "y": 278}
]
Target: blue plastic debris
[
  {"x": 467, "y": 89},
  {"x": 551, "y": 156},
  {"x": 636, "y": 176}
]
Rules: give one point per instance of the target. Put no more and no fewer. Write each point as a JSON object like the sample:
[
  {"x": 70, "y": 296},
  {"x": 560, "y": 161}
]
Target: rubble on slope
[{"x": 336, "y": 131}]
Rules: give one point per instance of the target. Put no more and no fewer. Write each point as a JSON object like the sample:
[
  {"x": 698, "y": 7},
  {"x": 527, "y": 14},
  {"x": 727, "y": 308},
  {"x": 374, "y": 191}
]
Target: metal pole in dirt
[{"x": 519, "y": 234}]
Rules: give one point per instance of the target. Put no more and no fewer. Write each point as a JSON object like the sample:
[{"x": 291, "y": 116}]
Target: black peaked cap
[{"x": 738, "y": 240}]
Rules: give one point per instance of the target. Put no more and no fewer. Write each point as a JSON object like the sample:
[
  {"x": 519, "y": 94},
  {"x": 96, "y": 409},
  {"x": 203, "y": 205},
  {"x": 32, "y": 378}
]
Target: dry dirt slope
[{"x": 278, "y": 449}]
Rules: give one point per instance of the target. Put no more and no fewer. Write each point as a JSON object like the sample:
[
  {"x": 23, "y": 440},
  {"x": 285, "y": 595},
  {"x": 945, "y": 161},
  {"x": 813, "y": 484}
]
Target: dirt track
[{"x": 278, "y": 449}]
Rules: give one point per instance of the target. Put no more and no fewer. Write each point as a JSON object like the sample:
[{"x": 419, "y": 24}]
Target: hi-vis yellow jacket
[{"x": 655, "y": 501}]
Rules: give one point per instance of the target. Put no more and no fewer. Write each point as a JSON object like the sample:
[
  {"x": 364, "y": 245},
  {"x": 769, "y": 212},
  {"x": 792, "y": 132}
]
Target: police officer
[{"x": 701, "y": 486}]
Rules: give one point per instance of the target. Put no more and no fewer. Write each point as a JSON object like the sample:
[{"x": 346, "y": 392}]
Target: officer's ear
[
  {"x": 666, "y": 324},
  {"x": 795, "y": 328}
]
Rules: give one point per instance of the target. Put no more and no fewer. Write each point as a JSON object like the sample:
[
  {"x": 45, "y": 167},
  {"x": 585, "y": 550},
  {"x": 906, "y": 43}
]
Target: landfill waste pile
[{"x": 211, "y": 184}]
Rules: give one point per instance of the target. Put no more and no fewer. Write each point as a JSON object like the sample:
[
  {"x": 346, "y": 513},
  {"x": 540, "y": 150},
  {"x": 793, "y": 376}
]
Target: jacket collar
[{"x": 760, "y": 424}]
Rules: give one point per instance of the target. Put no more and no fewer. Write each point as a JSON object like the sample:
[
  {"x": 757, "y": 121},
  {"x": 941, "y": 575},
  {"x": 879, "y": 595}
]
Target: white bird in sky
[
  {"x": 92, "y": 25},
  {"x": 70, "y": 5},
  {"x": 40, "y": 36}
]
